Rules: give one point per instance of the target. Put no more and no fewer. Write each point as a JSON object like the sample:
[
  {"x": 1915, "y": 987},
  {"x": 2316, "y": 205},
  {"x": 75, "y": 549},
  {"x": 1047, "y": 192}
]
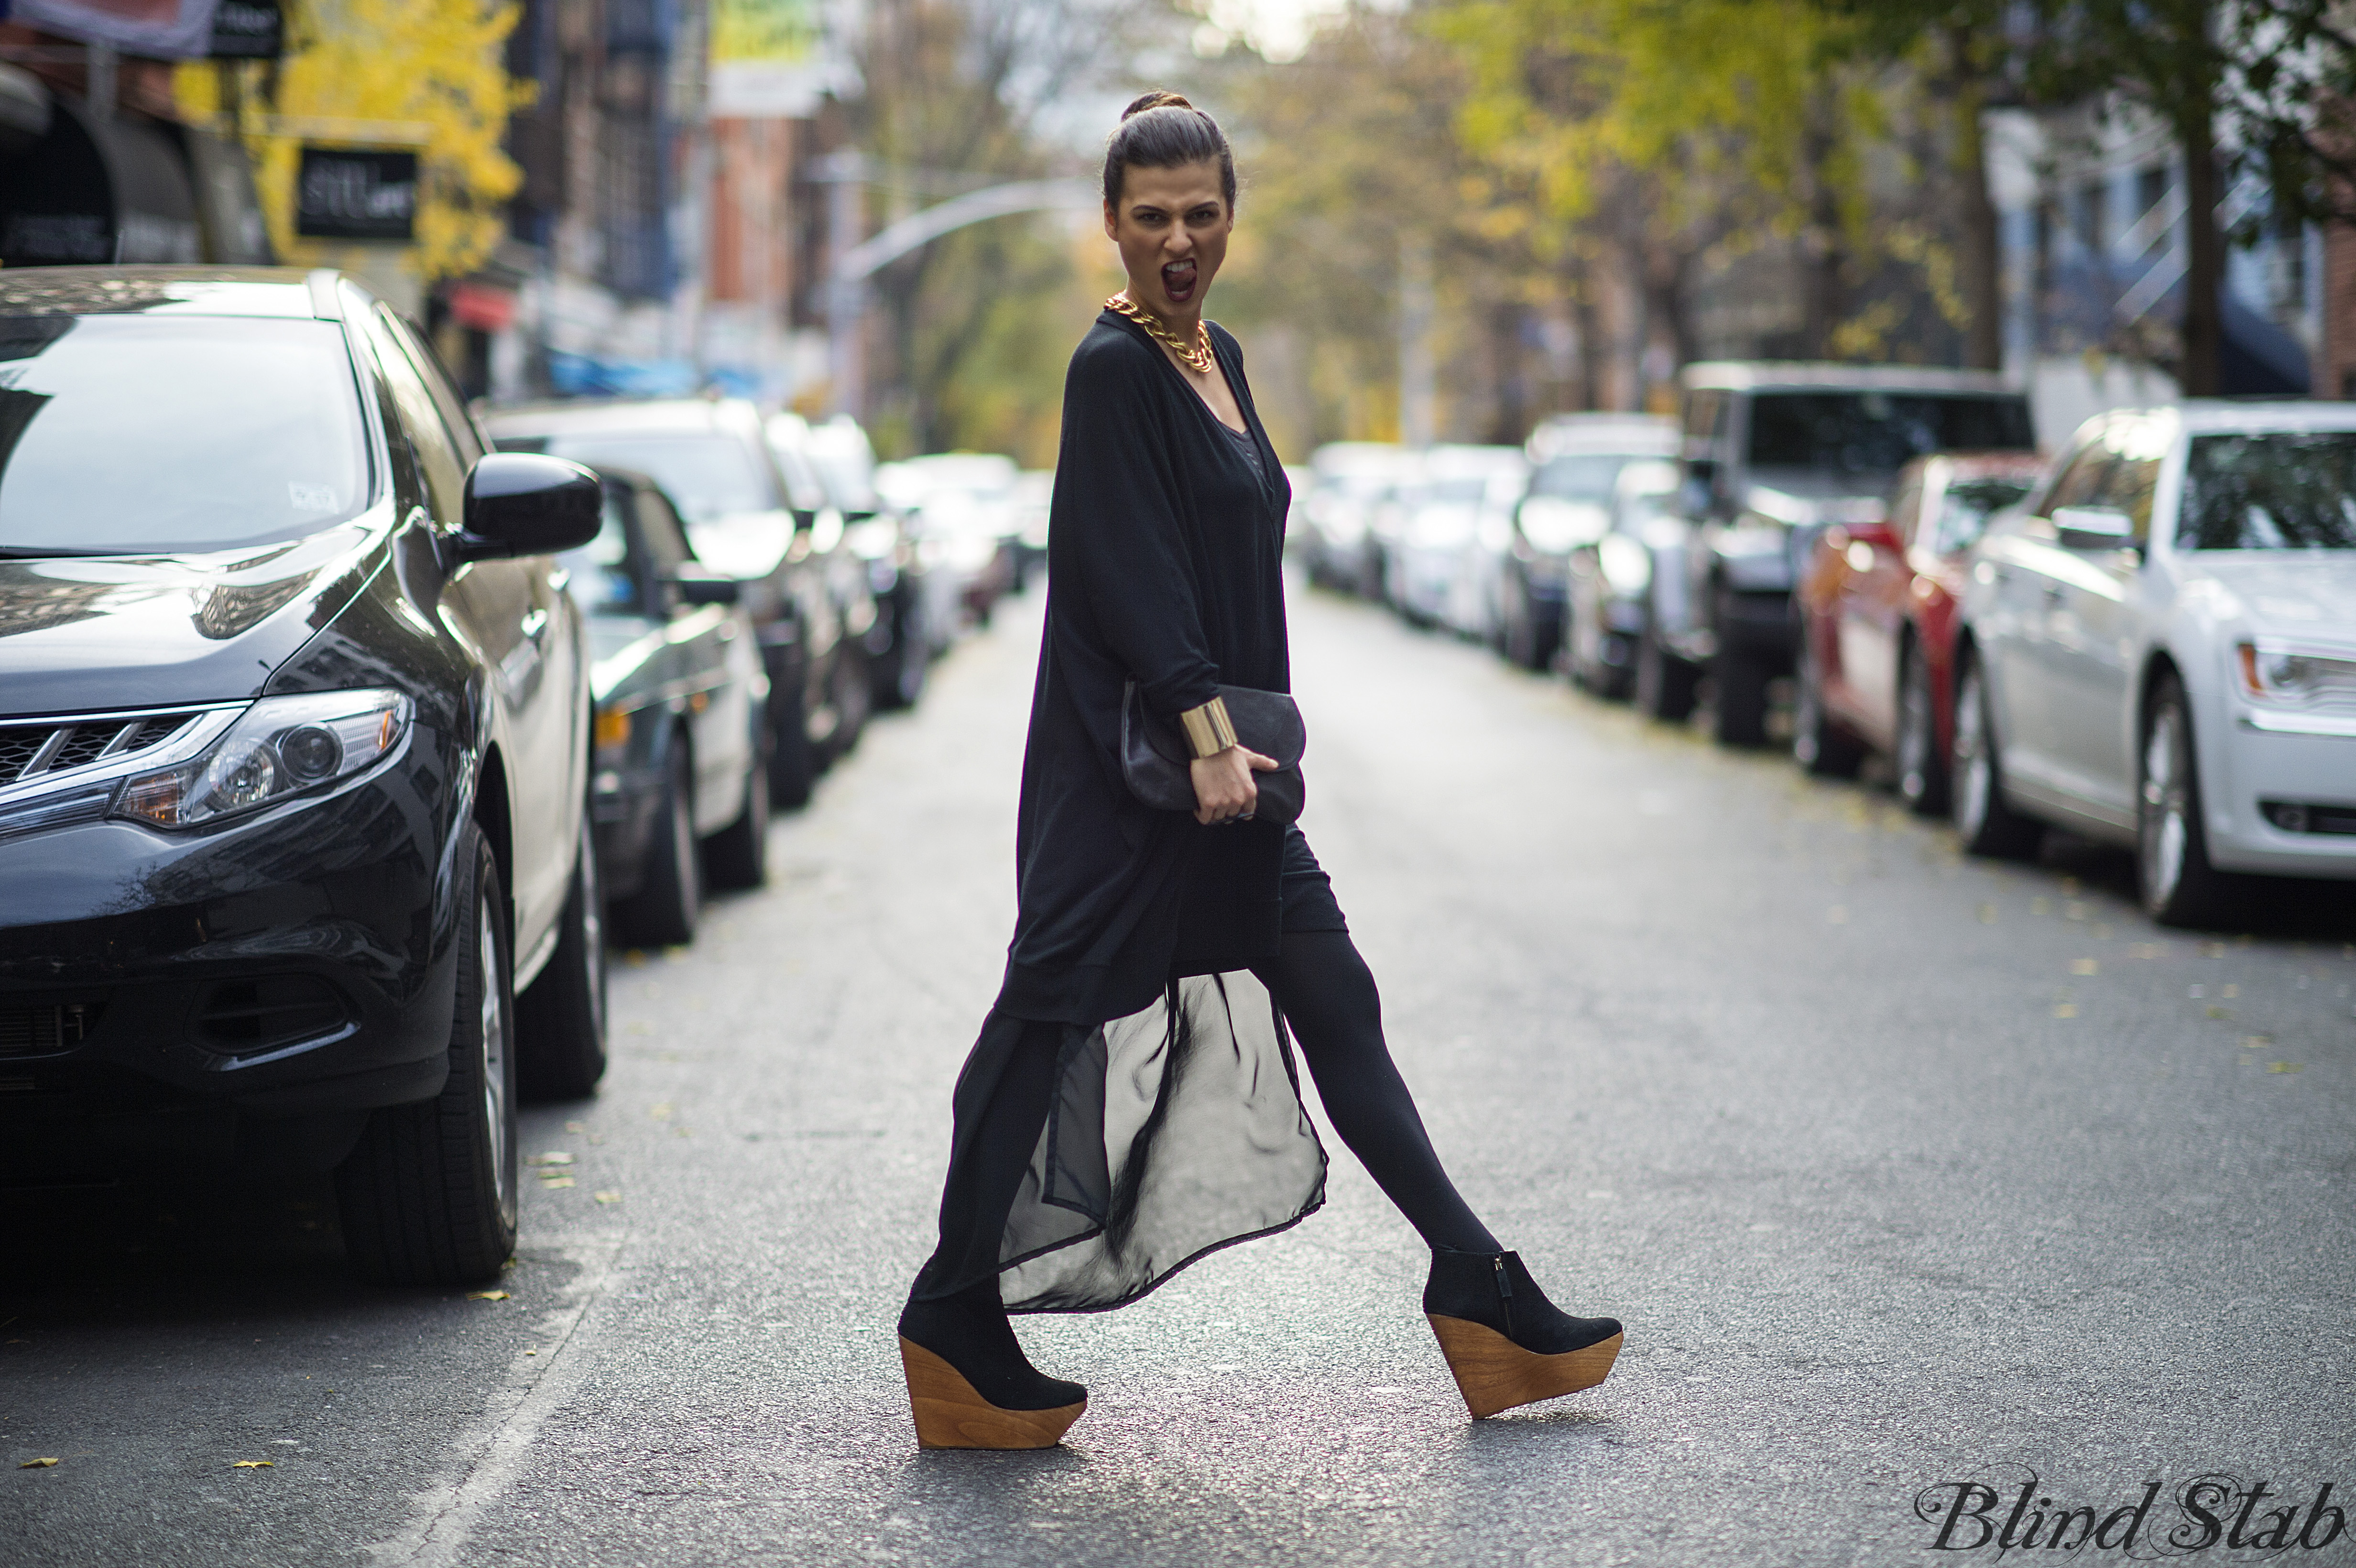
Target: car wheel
[
  {"x": 1817, "y": 743},
  {"x": 900, "y": 674},
  {"x": 663, "y": 912},
  {"x": 793, "y": 761},
  {"x": 1524, "y": 643},
  {"x": 1665, "y": 684},
  {"x": 738, "y": 855},
  {"x": 1741, "y": 680},
  {"x": 428, "y": 1197},
  {"x": 1921, "y": 772},
  {"x": 560, "y": 1016},
  {"x": 2179, "y": 886},
  {"x": 1986, "y": 824},
  {"x": 851, "y": 692}
]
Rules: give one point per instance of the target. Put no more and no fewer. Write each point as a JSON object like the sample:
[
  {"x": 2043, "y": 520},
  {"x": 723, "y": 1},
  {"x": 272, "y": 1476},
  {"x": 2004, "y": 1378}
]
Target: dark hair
[{"x": 1162, "y": 131}]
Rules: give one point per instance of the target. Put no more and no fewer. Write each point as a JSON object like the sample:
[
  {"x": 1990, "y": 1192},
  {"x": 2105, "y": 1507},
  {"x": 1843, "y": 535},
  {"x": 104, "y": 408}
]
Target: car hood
[
  {"x": 1800, "y": 497},
  {"x": 2286, "y": 591},
  {"x": 83, "y": 633},
  {"x": 747, "y": 545}
]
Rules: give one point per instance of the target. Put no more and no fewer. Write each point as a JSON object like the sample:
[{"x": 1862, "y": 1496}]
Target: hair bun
[{"x": 1156, "y": 99}]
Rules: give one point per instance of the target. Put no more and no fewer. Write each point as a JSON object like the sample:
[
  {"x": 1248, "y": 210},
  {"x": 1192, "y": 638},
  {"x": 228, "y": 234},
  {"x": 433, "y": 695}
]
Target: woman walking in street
[{"x": 1131, "y": 1103}]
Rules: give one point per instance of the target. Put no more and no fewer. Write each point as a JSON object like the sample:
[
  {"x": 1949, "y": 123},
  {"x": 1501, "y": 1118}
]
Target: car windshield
[
  {"x": 2278, "y": 491},
  {"x": 1878, "y": 432},
  {"x": 131, "y": 434},
  {"x": 1968, "y": 505},
  {"x": 1578, "y": 476},
  {"x": 707, "y": 476}
]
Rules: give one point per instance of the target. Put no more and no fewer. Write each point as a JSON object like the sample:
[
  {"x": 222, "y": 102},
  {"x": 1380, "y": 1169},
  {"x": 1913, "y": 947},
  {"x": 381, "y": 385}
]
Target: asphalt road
[{"x": 1905, "y": 1173}]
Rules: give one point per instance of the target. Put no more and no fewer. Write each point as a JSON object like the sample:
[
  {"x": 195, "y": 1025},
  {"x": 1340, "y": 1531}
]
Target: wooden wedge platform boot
[
  {"x": 1504, "y": 1342},
  {"x": 969, "y": 1385}
]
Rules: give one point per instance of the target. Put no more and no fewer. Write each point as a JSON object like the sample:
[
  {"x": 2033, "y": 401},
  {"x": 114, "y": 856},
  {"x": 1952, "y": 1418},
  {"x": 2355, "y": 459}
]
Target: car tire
[
  {"x": 1740, "y": 678},
  {"x": 793, "y": 761},
  {"x": 738, "y": 855},
  {"x": 851, "y": 692},
  {"x": 1922, "y": 777},
  {"x": 901, "y": 672},
  {"x": 428, "y": 1197},
  {"x": 1987, "y": 827},
  {"x": 1525, "y": 640},
  {"x": 670, "y": 900},
  {"x": 1665, "y": 685},
  {"x": 1818, "y": 744},
  {"x": 2180, "y": 886},
  {"x": 560, "y": 1016}
]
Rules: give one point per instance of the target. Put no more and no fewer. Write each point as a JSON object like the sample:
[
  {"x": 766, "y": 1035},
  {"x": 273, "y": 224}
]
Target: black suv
[{"x": 295, "y": 731}]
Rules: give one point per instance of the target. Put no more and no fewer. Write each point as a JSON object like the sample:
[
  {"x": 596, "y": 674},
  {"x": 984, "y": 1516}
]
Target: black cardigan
[{"x": 1164, "y": 561}]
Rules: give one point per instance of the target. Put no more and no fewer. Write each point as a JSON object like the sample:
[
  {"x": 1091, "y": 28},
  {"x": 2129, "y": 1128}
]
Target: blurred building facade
[{"x": 625, "y": 187}]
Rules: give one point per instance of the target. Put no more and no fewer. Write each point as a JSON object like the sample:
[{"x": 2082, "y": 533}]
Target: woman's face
[{"x": 1172, "y": 226}]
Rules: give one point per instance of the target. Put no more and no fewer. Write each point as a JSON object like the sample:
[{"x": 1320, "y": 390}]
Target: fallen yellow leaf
[
  {"x": 2065, "y": 1009},
  {"x": 556, "y": 1181},
  {"x": 486, "y": 1295},
  {"x": 553, "y": 1157},
  {"x": 2282, "y": 1067},
  {"x": 607, "y": 1197},
  {"x": 255, "y": 1465},
  {"x": 36, "y": 1465},
  {"x": 2081, "y": 965}
]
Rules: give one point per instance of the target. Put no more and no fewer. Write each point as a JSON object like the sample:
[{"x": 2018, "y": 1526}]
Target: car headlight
[
  {"x": 1627, "y": 565},
  {"x": 2288, "y": 677},
  {"x": 279, "y": 747}
]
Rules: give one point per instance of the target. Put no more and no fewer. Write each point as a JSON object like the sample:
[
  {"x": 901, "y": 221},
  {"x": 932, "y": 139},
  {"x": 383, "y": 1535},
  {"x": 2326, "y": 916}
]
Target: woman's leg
[
  {"x": 1328, "y": 997},
  {"x": 954, "y": 1311}
]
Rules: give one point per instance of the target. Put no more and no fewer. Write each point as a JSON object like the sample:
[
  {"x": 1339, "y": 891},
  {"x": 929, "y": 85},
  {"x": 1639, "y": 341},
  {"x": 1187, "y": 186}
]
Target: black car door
[
  {"x": 517, "y": 621},
  {"x": 696, "y": 670}
]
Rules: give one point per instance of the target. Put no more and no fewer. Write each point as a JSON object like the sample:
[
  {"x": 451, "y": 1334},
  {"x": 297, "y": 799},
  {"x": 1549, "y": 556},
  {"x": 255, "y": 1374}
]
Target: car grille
[
  {"x": 44, "y": 1028},
  {"x": 36, "y": 749}
]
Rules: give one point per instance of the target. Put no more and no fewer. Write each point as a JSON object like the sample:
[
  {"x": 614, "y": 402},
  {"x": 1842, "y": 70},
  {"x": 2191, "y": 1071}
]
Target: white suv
[{"x": 2159, "y": 649}]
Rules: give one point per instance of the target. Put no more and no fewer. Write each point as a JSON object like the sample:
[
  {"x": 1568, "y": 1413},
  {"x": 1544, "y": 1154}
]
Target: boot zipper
[{"x": 1505, "y": 1292}]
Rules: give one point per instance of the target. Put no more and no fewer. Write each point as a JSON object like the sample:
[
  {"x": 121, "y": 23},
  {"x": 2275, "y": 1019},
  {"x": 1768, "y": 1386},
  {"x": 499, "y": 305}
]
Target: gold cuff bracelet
[{"x": 1208, "y": 729}]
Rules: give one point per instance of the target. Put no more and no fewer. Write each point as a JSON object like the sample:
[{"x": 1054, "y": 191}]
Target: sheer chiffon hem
[{"x": 1173, "y": 1133}]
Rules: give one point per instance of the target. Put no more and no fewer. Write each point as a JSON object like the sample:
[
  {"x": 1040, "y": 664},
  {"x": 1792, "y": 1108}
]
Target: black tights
[{"x": 1328, "y": 997}]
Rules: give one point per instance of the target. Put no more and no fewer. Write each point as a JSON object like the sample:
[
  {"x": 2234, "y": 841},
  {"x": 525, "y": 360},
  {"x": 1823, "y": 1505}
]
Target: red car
[{"x": 1878, "y": 604}]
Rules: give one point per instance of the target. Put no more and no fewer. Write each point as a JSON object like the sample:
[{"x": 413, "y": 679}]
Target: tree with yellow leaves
[{"x": 434, "y": 64}]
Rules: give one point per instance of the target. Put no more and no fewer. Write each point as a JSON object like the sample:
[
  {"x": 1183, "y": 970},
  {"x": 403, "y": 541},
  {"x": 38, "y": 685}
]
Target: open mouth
[{"x": 1178, "y": 282}]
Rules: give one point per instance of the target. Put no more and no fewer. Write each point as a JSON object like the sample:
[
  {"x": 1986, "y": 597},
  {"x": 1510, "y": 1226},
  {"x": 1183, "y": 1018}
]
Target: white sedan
[{"x": 2159, "y": 649}]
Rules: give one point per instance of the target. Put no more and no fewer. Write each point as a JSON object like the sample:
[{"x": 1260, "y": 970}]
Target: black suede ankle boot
[
  {"x": 1505, "y": 1342},
  {"x": 1496, "y": 1291},
  {"x": 969, "y": 1380}
]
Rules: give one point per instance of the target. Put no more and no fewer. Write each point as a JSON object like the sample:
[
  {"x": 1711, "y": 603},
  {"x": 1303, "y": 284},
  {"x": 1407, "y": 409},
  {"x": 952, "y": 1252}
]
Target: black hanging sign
[
  {"x": 345, "y": 194},
  {"x": 248, "y": 30}
]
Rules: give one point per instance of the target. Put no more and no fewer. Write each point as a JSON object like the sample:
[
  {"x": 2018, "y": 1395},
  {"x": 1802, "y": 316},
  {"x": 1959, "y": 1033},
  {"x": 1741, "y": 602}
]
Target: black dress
[{"x": 1172, "y": 1123}]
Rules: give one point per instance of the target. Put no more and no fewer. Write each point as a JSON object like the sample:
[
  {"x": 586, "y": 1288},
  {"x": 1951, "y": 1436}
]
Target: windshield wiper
[{"x": 45, "y": 552}]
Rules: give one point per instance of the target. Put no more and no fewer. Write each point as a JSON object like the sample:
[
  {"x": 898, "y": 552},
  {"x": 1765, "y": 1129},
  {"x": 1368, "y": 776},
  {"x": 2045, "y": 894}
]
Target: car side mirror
[
  {"x": 700, "y": 584},
  {"x": 2093, "y": 527},
  {"x": 521, "y": 503}
]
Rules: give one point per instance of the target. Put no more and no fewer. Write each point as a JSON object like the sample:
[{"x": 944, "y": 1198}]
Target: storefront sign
[
  {"x": 344, "y": 194},
  {"x": 767, "y": 63},
  {"x": 248, "y": 30}
]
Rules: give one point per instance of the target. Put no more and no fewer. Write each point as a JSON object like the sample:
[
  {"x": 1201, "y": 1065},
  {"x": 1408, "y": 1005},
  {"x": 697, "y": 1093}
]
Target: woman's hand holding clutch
[{"x": 1225, "y": 790}]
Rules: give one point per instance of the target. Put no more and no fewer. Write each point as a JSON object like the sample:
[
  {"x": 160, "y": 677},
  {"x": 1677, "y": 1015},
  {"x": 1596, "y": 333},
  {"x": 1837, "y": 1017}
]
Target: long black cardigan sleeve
[{"x": 1164, "y": 568}]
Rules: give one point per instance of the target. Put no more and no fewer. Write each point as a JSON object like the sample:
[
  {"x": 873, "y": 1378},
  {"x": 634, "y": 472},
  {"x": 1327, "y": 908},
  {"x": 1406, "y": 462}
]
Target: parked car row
[
  {"x": 2149, "y": 640},
  {"x": 339, "y": 728},
  {"x": 2153, "y": 645}
]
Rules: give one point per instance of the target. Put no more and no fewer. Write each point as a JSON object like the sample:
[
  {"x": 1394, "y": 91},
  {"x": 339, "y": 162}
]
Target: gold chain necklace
[{"x": 1194, "y": 356}]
